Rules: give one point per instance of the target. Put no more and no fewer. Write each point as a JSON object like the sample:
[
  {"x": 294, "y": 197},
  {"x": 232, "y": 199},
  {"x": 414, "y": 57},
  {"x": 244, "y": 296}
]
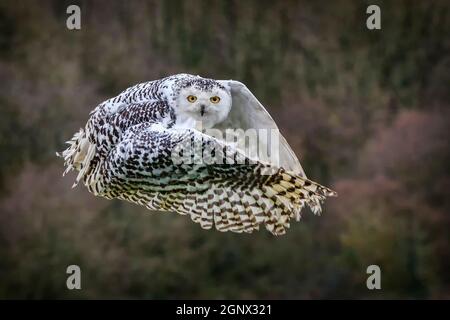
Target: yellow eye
[
  {"x": 191, "y": 98},
  {"x": 215, "y": 99}
]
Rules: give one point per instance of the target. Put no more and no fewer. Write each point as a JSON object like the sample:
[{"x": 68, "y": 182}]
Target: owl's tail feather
[{"x": 78, "y": 155}]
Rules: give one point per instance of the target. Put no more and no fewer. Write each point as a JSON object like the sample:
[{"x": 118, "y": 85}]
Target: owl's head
[{"x": 203, "y": 100}]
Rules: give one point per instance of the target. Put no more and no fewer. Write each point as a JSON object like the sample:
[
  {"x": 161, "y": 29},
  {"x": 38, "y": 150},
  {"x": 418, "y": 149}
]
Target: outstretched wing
[
  {"x": 248, "y": 113},
  {"x": 185, "y": 171}
]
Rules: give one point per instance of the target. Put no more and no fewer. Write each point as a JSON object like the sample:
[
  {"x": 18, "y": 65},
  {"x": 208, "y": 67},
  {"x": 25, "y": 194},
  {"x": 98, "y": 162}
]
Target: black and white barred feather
[{"x": 126, "y": 152}]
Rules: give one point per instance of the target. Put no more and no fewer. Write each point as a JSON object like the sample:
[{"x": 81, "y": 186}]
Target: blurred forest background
[{"x": 367, "y": 111}]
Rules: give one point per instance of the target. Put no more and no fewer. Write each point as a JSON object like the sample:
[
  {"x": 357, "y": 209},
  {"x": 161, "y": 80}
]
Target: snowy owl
[{"x": 131, "y": 147}]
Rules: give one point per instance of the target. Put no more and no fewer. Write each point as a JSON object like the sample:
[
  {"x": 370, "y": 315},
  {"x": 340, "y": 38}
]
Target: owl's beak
[{"x": 202, "y": 110}]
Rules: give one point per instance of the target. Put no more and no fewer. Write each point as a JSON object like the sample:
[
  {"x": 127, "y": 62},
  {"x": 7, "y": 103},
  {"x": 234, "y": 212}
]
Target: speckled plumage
[{"x": 126, "y": 151}]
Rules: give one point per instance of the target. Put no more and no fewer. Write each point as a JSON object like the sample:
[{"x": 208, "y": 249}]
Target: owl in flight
[{"x": 152, "y": 145}]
